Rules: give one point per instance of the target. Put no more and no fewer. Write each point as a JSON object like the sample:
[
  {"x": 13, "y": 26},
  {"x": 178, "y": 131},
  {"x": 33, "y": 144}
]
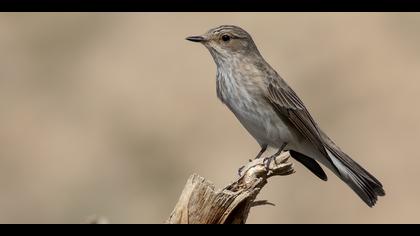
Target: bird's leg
[
  {"x": 267, "y": 161},
  {"x": 263, "y": 149}
]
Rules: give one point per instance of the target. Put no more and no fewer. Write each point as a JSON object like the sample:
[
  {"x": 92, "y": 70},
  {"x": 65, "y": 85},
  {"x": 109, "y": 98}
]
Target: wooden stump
[{"x": 200, "y": 203}]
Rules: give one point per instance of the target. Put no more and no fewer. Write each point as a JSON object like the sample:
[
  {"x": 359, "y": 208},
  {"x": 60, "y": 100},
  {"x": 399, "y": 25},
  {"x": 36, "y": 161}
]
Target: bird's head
[{"x": 227, "y": 42}]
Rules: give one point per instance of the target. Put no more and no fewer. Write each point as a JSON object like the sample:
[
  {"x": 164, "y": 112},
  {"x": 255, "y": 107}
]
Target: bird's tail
[{"x": 360, "y": 180}]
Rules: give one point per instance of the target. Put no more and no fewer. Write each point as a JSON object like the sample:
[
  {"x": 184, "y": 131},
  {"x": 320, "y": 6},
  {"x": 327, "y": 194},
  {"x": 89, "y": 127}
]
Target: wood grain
[{"x": 201, "y": 203}]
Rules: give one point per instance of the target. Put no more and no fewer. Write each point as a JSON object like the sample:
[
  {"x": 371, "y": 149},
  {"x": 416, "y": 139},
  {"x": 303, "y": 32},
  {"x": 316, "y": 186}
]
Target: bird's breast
[{"x": 246, "y": 100}]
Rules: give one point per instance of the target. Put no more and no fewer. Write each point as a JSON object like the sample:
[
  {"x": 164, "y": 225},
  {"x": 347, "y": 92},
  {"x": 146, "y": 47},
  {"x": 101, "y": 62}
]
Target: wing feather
[{"x": 287, "y": 104}]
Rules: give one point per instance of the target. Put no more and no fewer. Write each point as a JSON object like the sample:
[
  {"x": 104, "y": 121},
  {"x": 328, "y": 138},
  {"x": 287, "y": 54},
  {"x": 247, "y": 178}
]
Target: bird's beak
[{"x": 198, "y": 39}]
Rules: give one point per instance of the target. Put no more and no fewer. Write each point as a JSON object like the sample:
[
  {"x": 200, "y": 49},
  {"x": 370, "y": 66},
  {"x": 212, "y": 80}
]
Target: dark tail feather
[
  {"x": 309, "y": 163},
  {"x": 360, "y": 180},
  {"x": 367, "y": 190}
]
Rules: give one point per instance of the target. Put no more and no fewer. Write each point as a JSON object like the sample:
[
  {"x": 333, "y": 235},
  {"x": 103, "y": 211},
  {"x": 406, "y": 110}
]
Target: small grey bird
[{"x": 273, "y": 113}]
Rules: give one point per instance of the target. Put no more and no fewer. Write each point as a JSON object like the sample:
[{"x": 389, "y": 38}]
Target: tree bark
[{"x": 200, "y": 203}]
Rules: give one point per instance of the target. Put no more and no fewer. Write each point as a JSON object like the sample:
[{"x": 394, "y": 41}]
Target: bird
[{"x": 274, "y": 115}]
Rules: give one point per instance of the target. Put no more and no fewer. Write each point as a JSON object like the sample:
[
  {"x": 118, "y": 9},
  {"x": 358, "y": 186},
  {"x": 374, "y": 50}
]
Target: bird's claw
[
  {"x": 240, "y": 170},
  {"x": 267, "y": 161}
]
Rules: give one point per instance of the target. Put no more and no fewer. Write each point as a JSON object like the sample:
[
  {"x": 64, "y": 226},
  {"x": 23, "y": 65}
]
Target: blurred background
[{"x": 109, "y": 113}]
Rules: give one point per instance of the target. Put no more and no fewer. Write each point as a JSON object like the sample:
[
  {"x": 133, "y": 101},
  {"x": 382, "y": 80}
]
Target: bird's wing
[{"x": 287, "y": 104}]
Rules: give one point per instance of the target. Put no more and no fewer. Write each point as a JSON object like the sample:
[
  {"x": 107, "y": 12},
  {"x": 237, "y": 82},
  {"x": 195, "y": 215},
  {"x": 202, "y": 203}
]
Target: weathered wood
[{"x": 200, "y": 203}]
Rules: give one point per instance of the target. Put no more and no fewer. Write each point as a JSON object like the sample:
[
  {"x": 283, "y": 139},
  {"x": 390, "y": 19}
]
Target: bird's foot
[
  {"x": 267, "y": 161},
  {"x": 240, "y": 170}
]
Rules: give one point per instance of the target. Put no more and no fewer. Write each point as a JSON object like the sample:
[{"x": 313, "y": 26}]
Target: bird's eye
[{"x": 225, "y": 37}]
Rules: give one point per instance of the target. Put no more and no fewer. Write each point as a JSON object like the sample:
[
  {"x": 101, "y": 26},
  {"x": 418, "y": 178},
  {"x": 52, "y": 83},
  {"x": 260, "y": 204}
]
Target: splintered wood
[{"x": 200, "y": 203}]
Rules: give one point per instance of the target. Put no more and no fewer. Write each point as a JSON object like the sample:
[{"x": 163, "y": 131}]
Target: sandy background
[{"x": 110, "y": 113}]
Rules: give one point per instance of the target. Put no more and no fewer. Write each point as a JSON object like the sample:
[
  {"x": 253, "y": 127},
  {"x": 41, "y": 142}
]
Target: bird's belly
[{"x": 262, "y": 122}]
